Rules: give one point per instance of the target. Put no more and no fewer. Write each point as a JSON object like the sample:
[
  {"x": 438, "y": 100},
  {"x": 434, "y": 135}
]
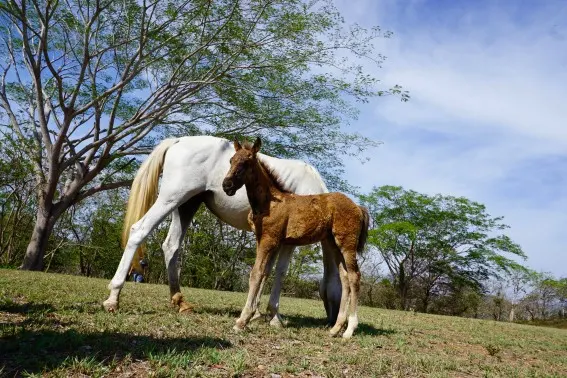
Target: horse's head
[{"x": 240, "y": 165}]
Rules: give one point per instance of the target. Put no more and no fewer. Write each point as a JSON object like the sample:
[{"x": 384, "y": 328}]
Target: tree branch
[{"x": 114, "y": 185}]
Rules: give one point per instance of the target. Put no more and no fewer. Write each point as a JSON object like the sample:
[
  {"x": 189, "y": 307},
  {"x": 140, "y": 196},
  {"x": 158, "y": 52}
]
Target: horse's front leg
[
  {"x": 265, "y": 251},
  {"x": 138, "y": 233}
]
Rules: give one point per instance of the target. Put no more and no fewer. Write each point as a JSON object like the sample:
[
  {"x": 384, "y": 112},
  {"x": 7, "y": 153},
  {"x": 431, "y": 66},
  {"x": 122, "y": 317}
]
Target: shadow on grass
[
  {"x": 31, "y": 343},
  {"x": 44, "y": 350},
  {"x": 26, "y": 308},
  {"x": 222, "y": 311},
  {"x": 299, "y": 321}
]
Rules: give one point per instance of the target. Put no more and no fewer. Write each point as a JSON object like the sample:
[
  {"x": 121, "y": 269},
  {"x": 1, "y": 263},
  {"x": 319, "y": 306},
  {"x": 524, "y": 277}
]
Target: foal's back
[{"x": 306, "y": 219}]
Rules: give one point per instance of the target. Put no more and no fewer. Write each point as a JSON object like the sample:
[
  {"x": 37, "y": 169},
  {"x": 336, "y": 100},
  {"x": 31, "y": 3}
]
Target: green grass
[{"x": 53, "y": 325}]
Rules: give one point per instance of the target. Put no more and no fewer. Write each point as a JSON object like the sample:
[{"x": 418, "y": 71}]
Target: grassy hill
[{"x": 53, "y": 325}]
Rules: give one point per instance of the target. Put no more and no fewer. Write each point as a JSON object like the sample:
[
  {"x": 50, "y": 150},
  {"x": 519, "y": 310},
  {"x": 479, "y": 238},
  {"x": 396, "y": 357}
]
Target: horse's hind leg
[
  {"x": 180, "y": 219},
  {"x": 330, "y": 286},
  {"x": 138, "y": 233},
  {"x": 354, "y": 281}
]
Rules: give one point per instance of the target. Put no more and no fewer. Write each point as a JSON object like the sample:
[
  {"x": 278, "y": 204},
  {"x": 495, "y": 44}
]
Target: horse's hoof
[
  {"x": 177, "y": 299},
  {"x": 237, "y": 328},
  {"x": 276, "y": 322},
  {"x": 110, "y": 306},
  {"x": 185, "y": 307}
]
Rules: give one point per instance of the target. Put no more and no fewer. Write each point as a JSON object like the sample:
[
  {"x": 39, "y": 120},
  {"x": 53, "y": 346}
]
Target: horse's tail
[
  {"x": 143, "y": 194},
  {"x": 363, "y": 235}
]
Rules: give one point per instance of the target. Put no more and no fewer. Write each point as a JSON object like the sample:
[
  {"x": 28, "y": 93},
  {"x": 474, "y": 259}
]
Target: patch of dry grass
[{"x": 53, "y": 325}]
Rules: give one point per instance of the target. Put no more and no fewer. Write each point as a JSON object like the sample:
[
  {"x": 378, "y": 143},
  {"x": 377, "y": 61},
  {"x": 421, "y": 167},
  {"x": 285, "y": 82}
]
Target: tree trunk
[
  {"x": 425, "y": 300},
  {"x": 512, "y": 313},
  {"x": 46, "y": 217},
  {"x": 403, "y": 296}
]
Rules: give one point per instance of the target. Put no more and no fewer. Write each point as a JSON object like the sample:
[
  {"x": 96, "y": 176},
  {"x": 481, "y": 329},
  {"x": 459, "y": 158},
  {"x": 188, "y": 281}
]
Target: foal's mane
[
  {"x": 274, "y": 177},
  {"x": 276, "y": 180}
]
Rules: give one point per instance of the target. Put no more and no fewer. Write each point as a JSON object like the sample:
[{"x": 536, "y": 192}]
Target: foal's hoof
[
  {"x": 240, "y": 325},
  {"x": 347, "y": 334},
  {"x": 110, "y": 306},
  {"x": 257, "y": 315},
  {"x": 334, "y": 332}
]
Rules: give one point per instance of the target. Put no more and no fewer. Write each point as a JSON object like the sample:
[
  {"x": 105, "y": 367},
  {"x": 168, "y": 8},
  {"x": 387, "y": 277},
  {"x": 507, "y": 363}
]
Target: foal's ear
[
  {"x": 257, "y": 145},
  {"x": 237, "y": 145}
]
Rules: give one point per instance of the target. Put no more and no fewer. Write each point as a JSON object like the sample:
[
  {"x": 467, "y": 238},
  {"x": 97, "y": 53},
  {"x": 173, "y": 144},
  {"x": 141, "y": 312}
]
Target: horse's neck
[{"x": 260, "y": 189}]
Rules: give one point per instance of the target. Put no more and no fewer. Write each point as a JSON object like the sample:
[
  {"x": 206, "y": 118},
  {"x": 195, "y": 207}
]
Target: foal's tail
[
  {"x": 363, "y": 235},
  {"x": 143, "y": 194}
]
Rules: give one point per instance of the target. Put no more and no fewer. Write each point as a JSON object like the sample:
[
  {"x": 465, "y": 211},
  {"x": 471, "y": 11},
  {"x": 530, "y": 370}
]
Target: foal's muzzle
[{"x": 228, "y": 187}]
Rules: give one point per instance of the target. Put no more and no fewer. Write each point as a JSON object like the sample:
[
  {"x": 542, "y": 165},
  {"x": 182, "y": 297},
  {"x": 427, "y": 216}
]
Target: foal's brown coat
[{"x": 278, "y": 217}]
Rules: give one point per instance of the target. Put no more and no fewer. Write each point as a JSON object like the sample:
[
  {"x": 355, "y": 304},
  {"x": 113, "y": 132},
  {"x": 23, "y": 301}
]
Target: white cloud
[{"x": 487, "y": 118}]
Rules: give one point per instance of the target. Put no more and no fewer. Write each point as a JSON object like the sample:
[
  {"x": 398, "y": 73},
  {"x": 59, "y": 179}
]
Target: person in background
[{"x": 140, "y": 277}]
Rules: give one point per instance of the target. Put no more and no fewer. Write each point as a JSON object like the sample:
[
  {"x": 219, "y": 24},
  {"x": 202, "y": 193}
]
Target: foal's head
[{"x": 240, "y": 165}]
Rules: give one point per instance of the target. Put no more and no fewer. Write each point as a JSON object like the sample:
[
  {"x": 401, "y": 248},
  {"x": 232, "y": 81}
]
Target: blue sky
[{"x": 488, "y": 113}]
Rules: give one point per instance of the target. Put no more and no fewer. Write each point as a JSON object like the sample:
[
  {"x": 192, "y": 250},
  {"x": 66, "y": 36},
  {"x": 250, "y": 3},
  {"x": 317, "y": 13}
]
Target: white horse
[{"x": 192, "y": 172}]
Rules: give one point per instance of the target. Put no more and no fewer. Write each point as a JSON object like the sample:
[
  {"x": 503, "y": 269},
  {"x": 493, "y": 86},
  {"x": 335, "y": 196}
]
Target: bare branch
[{"x": 114, "y": 185}]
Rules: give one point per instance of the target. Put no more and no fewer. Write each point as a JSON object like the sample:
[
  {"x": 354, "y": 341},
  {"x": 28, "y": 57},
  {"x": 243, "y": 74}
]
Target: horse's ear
[
  {"x": 237, "y": 145},
  {"x": 257, "y": 145}
]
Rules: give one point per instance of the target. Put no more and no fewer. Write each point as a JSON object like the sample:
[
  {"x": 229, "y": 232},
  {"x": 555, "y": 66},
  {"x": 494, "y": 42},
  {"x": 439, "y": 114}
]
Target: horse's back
[
  {"x": 210, "y": 156},
  {"x": 197, "y": 164},
  {"x": 295, "y": 175}
]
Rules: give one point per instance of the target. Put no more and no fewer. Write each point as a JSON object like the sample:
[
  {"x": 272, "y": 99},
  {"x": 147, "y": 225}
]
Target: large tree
[
  {"x": 437, "y": 244},
  {"x": 86, "y": 84}
]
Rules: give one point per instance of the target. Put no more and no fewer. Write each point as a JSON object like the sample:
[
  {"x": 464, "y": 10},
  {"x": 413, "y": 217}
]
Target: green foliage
[
  {"x": 547, "y": 298},
  {"x": 437, "y": 244},
  {"x": 216, "y": 255},
  {"x": 17, "y": 201},
  {"x": 109, "y": 77},
  {"x": 87, "y": 240}
]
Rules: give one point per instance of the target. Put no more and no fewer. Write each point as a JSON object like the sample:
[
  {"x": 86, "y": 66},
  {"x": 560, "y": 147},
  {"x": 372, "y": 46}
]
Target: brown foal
[{"x": 278, "y": 217}]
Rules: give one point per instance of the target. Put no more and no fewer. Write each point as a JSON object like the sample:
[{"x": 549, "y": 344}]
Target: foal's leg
[
  {"x": 342, "y": 316},
  {"x": 180, "y": 219},
  {"x": 354, "y": 281},
  {"x": 264, "y": 250},
  {"x": 284, "y": 256},
  {"x": 269, "y": 265},
  {"x": 138, "y": 233}
]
